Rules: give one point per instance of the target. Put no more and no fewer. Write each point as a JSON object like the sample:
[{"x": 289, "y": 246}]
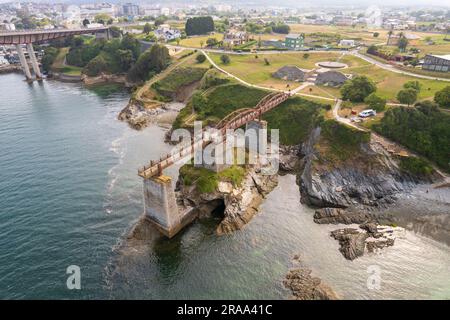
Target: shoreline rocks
[
  {"x": 241, "y": 203},
  {"x": 369, "y": 236},
  {"x": 306, "y": 287}
]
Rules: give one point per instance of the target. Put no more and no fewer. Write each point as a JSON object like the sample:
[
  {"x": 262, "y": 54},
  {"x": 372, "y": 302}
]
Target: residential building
[
  {"x": 164, "y": 32},
  {"x": 294, "y": 41},
  {"x": 235, "y": 38},
  {"x": 440, "y": 63}
]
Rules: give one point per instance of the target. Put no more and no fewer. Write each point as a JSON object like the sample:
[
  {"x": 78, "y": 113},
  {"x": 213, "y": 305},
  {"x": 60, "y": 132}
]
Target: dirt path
[{"x": 157, "y": 77}]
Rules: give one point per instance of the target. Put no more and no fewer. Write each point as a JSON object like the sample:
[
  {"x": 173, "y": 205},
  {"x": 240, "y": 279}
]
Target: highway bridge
[{"x": 28, "y": 37}]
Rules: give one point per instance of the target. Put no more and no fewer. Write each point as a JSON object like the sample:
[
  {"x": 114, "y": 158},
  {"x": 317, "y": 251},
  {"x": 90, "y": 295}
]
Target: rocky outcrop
[
  {"x": 340, "y": 216},
  {"x": 241, "y": 202},
  {"x": 306, "y": 287},
  {"x": 289, "y": 159},
  {"x": 106, "y": 78},
  {"x": 367, "y": 180},
  {"x": 368, "y": 236}
]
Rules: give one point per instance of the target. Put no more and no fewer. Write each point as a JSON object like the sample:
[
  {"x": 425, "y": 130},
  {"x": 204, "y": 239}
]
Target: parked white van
[{"x": 367, "y": 113}]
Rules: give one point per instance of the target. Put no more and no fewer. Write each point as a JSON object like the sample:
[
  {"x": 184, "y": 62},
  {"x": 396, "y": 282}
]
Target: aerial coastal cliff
[{"x": 238, "y": 190}]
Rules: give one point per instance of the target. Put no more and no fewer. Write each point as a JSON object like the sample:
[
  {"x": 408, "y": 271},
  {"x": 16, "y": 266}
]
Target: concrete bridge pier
[
  {"x": 23, "y": 62},
  {"x": 34, "y": 62},
  {"x": 160, "y": 206}
]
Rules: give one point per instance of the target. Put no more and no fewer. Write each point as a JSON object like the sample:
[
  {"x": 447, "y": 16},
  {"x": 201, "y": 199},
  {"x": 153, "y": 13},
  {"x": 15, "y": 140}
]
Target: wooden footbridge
[{"x": 233, "y": 121}]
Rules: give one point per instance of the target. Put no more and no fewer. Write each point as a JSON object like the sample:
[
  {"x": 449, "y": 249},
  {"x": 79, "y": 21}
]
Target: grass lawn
[
  {"x": 255, "y": 71},
  {"x": 194, "y": 41},
  {"x": 389, "y": 83}
]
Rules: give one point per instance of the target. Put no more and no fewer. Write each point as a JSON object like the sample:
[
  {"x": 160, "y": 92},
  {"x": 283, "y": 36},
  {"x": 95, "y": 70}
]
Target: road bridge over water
[{"x": 28, "y": 37}]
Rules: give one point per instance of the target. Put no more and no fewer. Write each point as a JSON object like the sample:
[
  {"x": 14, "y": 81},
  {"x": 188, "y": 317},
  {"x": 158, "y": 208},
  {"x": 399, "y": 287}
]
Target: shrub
[
  {"x": 225, "y": 59},
  {"x": 416, "y": 166},
  {"x": 200, "y": 58},
  {"x": 407, "y": 96},
  {"x": 357, "y": 89},
  {"x": 375, "y": 102},
  {"x": 442, "y": 97}
]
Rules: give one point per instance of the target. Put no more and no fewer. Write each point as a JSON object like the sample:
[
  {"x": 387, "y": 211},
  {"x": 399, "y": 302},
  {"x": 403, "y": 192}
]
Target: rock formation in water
[
  {"x": 306, "y": 287},
  {"x": 241, "y": 202},
  {"x": 369, "y": 236}
]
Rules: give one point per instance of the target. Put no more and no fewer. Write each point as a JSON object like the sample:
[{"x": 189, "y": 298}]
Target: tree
[
  {"x": 305, "y": 55},
  {"x": 402, "y": 43},
  {"x": 281, "y": 28},
  {"x": 442, "y": 97},
  {"x": 126, "y": 59},
  {"x": 86, "y": 22},
  {"x": 375, "y": 102},
  {"x": 201, "y": 43},
  {"x": 266, "y": 62},
  {"x": 390, "y": 33},
  {"x": 211, "y": 42},
  {"x": 357, "y": 89},
  {"x": 372, "y": 50},
  {"x": 96, "y": 66},
  {"x": 413, "y": 85},
  {"x": 376, "y": 34},
  {"x": 225, "y": 59},
  {"x": 147, "y": 28},
  {"x": 102, "y": 18},
  {"x": 407, "y": 96},
  {"x": 200, "y": 58},
  {"x": 131, "y": 43},
  {"x": 160, "y": 20},
  {"x": 152, "y": 61},
  {"x": 199, "y": 25}
]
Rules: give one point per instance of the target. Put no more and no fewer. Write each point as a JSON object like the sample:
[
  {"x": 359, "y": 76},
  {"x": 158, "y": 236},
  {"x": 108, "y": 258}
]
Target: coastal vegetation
[
  {"x": 341, "y": 141},
  {"x": 423, "y": 129},
  {"x": 294, "y": 118},
  {"x": 149, "y": 63},
  {"x": 182, "y": 76},
  {"x": 206, "y": 180}
]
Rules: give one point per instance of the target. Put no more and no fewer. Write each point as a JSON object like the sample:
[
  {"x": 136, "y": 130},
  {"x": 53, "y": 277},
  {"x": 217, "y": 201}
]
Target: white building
[
  {"x": 347, "y": 43},
  {"x": 164, "y": 32}
]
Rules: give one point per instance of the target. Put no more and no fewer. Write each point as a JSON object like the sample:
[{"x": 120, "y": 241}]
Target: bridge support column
[
  {"x": 161, "y": 206},
  {"x": 23, "y": 62},
  {"x": 256, "y": 137},
  {"x": 34, "y": 62}
]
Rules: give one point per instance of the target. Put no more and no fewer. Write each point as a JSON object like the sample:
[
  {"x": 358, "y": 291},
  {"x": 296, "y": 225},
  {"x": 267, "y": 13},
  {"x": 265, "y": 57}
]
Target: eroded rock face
[
  {"x": 337, "y": 216},
  {"x": 306, "y": 287},
  {"x": 241, "y": 202},
  {"x": 352, "y": 242},
  {"x": 369, "y": 236},
  {"x": 368, "y": 180}
]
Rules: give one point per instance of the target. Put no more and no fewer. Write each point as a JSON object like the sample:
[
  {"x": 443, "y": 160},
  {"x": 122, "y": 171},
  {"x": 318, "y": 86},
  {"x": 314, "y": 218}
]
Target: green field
[
  {"x": 195, "y": 41},
  {"x": 256, "y": 71}
]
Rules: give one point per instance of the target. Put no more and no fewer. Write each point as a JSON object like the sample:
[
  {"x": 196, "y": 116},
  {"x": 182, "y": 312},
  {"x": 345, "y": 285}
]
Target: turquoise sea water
[{"x": 69, "y": 193}]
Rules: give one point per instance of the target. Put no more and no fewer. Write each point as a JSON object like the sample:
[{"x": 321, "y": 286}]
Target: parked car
[
  {"x": 367, "y": 113},
  {"x": 355, "y": 119}
]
